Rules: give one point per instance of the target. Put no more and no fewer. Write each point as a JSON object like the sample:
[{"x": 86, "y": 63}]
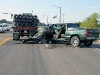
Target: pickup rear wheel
[
  {"x": 88, "y": 43},
  {"x": 75, "y": 41}
]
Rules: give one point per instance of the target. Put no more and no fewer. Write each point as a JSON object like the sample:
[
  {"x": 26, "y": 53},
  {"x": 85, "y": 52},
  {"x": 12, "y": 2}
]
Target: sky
[{"x": 74, "y": 10}]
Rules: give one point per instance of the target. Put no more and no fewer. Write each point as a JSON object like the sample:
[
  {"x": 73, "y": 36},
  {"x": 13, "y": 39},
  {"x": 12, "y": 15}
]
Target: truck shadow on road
[
  {"x": 92, "y": 46},
  {"x": 95, "y": 45}
]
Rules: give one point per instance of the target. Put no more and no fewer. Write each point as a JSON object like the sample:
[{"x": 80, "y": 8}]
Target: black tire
[
  {"x": 75, "y": 41},
  {"x": 16, "y": 36},
  {"x": 22, "y": 17},
  {"x": 15, "y": 16},
  {"x": 88, "y": 43},
  {"x": 35, "y": 16},
  {"x": 19, "y": 16},
  {"x": 17, "y": 24},
  {"x": 15, "y": 20}
]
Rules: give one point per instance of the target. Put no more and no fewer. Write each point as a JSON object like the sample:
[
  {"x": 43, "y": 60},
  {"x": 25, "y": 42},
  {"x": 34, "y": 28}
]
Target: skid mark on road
[{"x": 4, "y": 41}]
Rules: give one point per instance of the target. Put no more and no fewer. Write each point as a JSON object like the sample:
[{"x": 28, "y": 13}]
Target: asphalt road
[{"x": 43, "y": 59}]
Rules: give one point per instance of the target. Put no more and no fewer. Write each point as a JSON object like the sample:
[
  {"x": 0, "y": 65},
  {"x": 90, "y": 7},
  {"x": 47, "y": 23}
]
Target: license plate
[{"x": 25, "y": 31}]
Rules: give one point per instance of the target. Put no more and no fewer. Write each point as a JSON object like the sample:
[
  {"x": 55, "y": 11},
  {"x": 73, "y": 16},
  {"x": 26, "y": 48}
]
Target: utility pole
[
  {"x": 63, "y": 17},
  {"x": 43, "y": 18},
  {"x": 60, "y": 13},
  {"x": 47, "y": 18}
]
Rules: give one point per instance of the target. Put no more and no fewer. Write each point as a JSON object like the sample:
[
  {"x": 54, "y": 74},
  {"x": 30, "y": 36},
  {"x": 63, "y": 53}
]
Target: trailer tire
[{"x": 16, "y": 36}]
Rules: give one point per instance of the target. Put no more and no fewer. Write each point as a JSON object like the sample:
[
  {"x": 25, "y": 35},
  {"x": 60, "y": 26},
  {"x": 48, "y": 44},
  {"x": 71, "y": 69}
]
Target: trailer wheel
[
  {"x": 88, "y": 43},
  {"x": 16, "y": 36},
  {"x": 75, "y": 41}
]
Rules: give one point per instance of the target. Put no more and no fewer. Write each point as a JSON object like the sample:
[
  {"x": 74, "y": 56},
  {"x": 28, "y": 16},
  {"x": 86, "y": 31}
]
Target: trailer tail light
[{"x": 86, "y": 33}]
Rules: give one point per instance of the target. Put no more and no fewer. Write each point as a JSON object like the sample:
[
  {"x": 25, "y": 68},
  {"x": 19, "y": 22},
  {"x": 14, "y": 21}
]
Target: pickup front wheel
[
  {"x": 88, "y": 43},
  {"x": 75, "y": 41}
]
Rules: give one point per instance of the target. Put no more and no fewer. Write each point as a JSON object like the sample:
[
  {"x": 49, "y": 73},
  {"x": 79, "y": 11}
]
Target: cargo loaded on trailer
[{"x": 24, "y": 25}]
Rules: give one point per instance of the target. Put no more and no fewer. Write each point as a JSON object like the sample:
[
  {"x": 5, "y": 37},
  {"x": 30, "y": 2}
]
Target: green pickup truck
[{"x": 74, "y": 34}]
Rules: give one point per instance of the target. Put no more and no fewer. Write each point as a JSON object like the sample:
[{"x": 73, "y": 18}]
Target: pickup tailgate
[{"x": 92, "y": 34}]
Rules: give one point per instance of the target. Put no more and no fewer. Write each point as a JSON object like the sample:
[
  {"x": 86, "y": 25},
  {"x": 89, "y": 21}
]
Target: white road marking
[{"x": 46, "y": 45}]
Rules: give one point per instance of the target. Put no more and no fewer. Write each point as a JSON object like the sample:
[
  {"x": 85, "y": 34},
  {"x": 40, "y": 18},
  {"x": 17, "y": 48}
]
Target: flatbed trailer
[
  {"x": 19, "y": 31},
  {"x": 25, "y": 31}
]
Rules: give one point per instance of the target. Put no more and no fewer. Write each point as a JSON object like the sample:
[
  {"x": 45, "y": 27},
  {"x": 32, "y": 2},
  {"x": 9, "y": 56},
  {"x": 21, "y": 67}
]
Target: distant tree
[
  {"x": 91, "y": 22},
  {"x": 3, "y": 21},
  {"x": 79, "y": 23}
]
